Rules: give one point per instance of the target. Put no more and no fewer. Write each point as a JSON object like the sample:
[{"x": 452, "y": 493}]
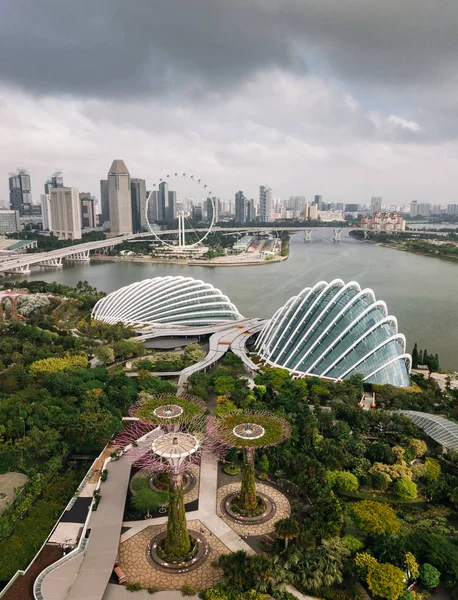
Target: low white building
[
  {"x": 383, "y": 222},
  {"x": 9, "y": 221}
]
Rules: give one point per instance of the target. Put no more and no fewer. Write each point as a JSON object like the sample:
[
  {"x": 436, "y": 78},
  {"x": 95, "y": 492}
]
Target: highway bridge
[{"x": 81, "y": 252}]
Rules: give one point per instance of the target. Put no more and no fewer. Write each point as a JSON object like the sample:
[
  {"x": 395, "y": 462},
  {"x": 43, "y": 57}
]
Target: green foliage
[
  {"x": 104, "y": 353},
  {"x": 263, "y": 463},
  {"x": 386, "y": 580},
  {"x": 343, "y": 481},
  {"x": 177, "y": 541},
  {"x": 375, "y": 518},
  {"x": 247, "y": 498},
  {"x": 193, "y": 354},
  {"x": 429, "y": 576},
  {"x": 187, "y": 590},
  {"x": 145, "y": 500},
  {"x": 133, "y": 587},
  {"x": 150, "y": 403},
  {"x": 54, "y": 365},
  {"x": 287, "y": 529},
  {"x": 353, "y": 544},
  {"x": 199, "y": 384},
  {"x": 154, "y": 385},
  {"x": 232, "y": 469},
  {"x": 404, "y": 488}
]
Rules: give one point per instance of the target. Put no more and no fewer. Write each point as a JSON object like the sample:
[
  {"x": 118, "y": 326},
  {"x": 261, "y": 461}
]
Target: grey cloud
[{"x": 122, "y": 48}]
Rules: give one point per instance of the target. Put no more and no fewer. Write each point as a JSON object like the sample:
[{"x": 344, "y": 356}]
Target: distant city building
[
  {"x": 376, "y": 204},
  {"x": 162, "y": 201},
  {"x": 330, "y": 216},
  {"x": 452, "y": 209},
  {"x": 20, "y": 192},
  {"x": 383, "y": 222},
  {"x": 66, "y": 212},
  {"x": 311, "y": 212},
  {"x": 265, "y": 204},
  {"x": 250, "y": 211},
  {"x": 353, "y": 208},
  {"x": 45, "y": 202},
  {"x": 319, "y": 202},
  {"x": 152, "y": 206},
  {"x": 436, "y": 209},
  {"x": 56, "y": 180},
  {"x": 171, "y": 207},
  {"x": 138, "y": 200},
  {"x": 9, "y": 221},
  {"x": 240, "y": 207},
  {"x": 104, "y": 201},
  {"x": 296, "y": 204},
  {"x": 213, "y": 208},
  {"x": 414, "y": 208},
  {"x": 87, "y": 202},
  {"x": 197, "y": 215},
  {"x": 424, "y": 209},
  {"x": 119, "y": 198}
]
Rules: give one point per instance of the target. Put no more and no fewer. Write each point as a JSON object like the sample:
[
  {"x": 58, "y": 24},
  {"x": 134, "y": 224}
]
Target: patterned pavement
[
  {"x": 281, "y": 503},
  {"x": 132, "y": 560}
]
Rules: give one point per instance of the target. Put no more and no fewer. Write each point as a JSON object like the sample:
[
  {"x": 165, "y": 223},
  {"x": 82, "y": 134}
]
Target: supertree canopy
[
  {"x": 164, "y": 409},
  {"x": 249, "y": 431}
]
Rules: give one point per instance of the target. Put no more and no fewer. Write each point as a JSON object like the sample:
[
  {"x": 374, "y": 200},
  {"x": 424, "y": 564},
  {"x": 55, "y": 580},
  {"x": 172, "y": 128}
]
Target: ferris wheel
[{"x": 174, "y": 210}]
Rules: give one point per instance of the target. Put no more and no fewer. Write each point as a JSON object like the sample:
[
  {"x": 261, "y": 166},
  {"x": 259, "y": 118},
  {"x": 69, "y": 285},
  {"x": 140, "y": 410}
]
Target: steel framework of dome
[
  {"x": 336, "y": 330},
  {"x": 441, "y": 430},
  {"x": 175, "y": 301}
]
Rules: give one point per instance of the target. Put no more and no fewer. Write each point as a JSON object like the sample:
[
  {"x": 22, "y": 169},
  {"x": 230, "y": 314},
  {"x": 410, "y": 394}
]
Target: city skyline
[{"x": 325, "y": 105}]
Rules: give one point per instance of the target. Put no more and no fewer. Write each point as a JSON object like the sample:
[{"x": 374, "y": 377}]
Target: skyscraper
[
  {"x": 87, "y": 202},
  {"x": 197, "y": 216},
  {"x": 66, "y": 212},
  {"x": 46, "y": 212},
  {"x": 240, "y": 207},
  {"x": 171, "y": 211},
  {"x": 414, "y": 208},
  {"x": 250, "y": 211},
  {"x": 119, "y": 198},
  {"x": 56, "y": 180},
  {"x": 212, "y": 207},
  {"x": 376, "y": 204},
  {"x": 104, "y": 201},
  {"x": 319, "y": 202},
  {"x": 265, "y": 204},
  {"x": 138, "y": 199},
  {"x": 20, "y": 192},
  {"x": 152, "y": 206},
  {"x": 162, "y": 201}
]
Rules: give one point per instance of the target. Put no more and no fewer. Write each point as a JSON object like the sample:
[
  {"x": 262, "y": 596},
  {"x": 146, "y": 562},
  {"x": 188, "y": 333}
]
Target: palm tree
[{"x": 287, "y": 529}]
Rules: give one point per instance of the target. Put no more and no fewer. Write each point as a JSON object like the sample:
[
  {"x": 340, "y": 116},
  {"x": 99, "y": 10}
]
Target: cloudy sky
[{"x": 345, "y": 99}]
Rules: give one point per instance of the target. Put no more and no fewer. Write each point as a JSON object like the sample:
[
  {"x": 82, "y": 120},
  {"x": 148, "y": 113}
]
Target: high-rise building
[
  {"x": 119, "y": 198},
  {"x": 213, "y": 208},
  {"x": 319, "y": 202},
  {"x": 296, "y": 203},
  {"x": 351, "y": 207},
  {"x": 265, "y": 204},
  {"x": 436, "y": 209},
  {"x": 152, "y": 206},
  {"x": 414, "y": 208},
  {"x": 313, "y": 212},
  {"x": 424, "y": 209},
  {"x": 452, "y": 209},
  {"x": 197, "y": 215},
  {"x": 376, "y": 204},
  {"x": 87, "y": 202},
  {"x": 66, "y": 212},
  {"x": 20, "y": 192},
  {"x": 250, "y": 211},
  {"x": 9, "y": 221},
  {"x": 45, "y": 202},
  {"x": 104, "y": 201},
  {"x": 240, "y": 207},
  {"x": 138, "y": 199},
  {"x": 162, "y": 201},
  {"x": 171, "y": 207},
  {"x": 56, "y": 180}
]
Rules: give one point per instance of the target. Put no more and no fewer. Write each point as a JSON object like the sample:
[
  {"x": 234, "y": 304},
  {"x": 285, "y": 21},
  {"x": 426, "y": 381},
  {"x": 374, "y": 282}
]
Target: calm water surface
[{"x": 421, "y": 292}]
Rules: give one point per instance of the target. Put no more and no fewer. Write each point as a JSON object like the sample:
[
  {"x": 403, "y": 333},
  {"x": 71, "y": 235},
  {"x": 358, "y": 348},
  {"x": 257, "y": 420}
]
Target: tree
[
  {"x": 404, "y": 488},
  {"x": 193, "y": 354},
  {"x": 429, "y": 576},
  {"x": 415, "y": 356},
  {"x": 224, "y": 385},
  {"x": 145, "y": 500},
  {"x": 263, "y": 463},
  {"x": 287, "y": 529},
  {"x": 412, "y": 567},
  {"x": 431, "y": 469},
  {"x": 386, "y": 580},
  {"x": 104, "y": 353},
  {"x": 418, "y": 446},
  {"x": 343, "y": 481},
  {"x": 375, "y": 518}
]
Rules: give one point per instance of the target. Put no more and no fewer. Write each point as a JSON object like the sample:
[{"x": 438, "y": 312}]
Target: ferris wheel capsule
[
  {"x": 205, "y": 186},
  {"x": 176, "y": 174},
  {"x": 192, "y": 176},
  {"x": 184, "y": 174}
]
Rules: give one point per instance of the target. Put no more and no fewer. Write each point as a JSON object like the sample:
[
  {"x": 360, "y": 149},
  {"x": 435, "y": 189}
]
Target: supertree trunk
[
  {"x": 247, "y": 498},
  {"x": 177, "y": 542}
]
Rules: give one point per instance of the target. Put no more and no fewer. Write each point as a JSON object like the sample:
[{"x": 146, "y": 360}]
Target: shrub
[
  {"x": 133, "y": 587},
  {"x": 429, "y": 576},
  {"x": 187, "y": 590},
  {"x": 263, "y": 476},
  {"x": 153, "y": 590},
  {"x": 104, "y": 475},
  {"x": 232, "y": 469},
  {"x": 352, "y": 543},
  {"x": 375, "y": 518},
  {"x": 404, "y": 488}
]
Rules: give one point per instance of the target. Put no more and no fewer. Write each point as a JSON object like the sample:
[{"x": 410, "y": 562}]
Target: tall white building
[
  {"x": 265, "y": 204},
  {"x": 45, "y": 202},
  {"x": 424, "y": 209},
  {"x": 9, "y": 221},
  {"x": 376, "y": 204},
  {"x": 119, "y": 197},
  {"x": 66, "y": 212},
  {"x": 414, "y": 208}
]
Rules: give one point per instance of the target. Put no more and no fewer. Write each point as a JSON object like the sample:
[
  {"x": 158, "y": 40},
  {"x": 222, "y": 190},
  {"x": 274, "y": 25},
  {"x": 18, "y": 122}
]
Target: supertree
[
  {"x": 248, "y": 431},
  {"x": 172, "y": 448},
  {"x": 166, "y": 409}
]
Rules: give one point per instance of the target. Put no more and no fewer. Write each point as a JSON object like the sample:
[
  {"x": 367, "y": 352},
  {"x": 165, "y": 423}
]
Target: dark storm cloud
[{"x": 132, "y": 47}]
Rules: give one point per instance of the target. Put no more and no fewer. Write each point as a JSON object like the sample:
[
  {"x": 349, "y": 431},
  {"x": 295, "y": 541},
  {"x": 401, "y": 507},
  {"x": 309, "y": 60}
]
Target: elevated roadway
[{"x": 81, "y": 252}]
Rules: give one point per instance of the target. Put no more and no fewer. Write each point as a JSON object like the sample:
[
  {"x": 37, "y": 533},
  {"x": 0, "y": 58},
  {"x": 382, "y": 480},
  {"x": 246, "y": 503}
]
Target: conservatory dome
[
  {"x": 336, "y": 330},
  {"x": 174, "y": 301}
]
